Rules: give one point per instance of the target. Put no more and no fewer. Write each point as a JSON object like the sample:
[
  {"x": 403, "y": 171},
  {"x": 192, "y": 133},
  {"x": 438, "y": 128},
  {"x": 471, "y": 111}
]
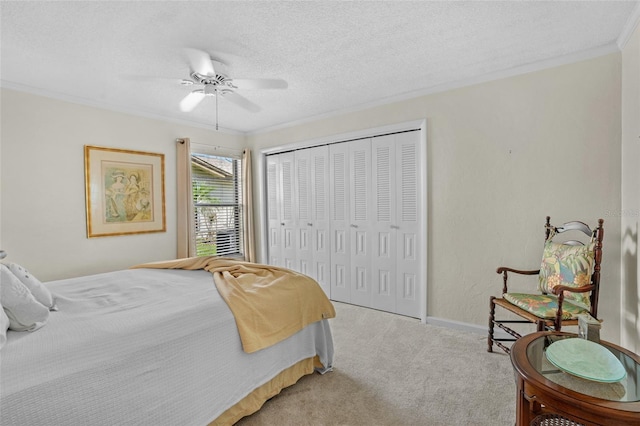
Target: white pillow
[
  {"x": 39, "y": 291},
  {"x": 4, "y": 326},
  {"x": 24, "y": 311}
]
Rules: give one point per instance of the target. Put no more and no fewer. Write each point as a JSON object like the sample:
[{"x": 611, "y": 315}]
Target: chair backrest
[{"x": 596, "y": 235}]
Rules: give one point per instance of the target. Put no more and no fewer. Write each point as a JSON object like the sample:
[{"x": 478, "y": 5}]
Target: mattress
[{"x": 137, "y": 347}]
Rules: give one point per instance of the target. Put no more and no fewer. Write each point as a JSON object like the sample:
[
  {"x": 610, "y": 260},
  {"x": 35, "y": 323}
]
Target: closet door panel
[
  {"x": 360, "y": 221},
  {"x": 339, "y": 222},
  {"x": 288, "y": 211},
  {"x": 274, "y": 199},
  {"x": 302, "y": 186},
  {"x": 320, "y": 205},
  {"x": 409, "y": 258},
  {"x": 384, "y": 230}
]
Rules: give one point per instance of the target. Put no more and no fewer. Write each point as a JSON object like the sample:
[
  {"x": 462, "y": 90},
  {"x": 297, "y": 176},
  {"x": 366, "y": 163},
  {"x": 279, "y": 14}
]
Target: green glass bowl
[{"x": 586, "y": 359}]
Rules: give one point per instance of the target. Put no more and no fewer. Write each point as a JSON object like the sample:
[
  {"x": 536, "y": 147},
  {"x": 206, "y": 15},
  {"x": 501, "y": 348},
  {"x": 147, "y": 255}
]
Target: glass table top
[{"x": 627, "y": 389}]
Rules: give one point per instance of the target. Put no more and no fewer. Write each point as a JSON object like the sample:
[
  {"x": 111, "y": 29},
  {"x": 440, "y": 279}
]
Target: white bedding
[{"x": 139, "y": 346}]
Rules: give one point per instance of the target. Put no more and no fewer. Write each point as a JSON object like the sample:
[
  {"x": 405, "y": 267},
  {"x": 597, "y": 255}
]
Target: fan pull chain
[{"x": 217, "y": 93}]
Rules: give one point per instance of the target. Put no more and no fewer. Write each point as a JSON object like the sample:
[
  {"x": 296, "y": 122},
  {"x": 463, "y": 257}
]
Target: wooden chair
[{"x": 569, "y": 282}]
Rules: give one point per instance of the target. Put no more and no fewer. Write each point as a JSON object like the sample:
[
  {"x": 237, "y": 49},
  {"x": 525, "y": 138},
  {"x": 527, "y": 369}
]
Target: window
[{"x": 217, "y": 201}]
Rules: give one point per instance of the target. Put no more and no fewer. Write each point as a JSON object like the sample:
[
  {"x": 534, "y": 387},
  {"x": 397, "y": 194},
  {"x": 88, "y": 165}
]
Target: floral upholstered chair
[{"x": 568, "y": 284}]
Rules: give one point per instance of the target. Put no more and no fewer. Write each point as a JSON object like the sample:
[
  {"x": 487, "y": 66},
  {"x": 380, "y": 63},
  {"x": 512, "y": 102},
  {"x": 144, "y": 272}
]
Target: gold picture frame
[{"x": 124, "y": 191}]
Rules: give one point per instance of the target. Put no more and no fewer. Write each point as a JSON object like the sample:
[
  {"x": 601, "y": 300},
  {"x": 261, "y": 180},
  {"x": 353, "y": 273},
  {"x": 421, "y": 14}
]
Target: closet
[
  {"x": 348, "y": 215},
  {"x": 298, "y": 212}
]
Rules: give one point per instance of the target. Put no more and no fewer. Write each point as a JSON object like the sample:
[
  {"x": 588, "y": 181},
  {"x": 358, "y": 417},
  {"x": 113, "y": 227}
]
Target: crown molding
[{"x": 629, "y": 27}]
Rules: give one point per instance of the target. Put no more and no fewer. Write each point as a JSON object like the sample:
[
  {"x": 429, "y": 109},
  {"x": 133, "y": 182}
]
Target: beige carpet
[{"x": 393, "y": 370}]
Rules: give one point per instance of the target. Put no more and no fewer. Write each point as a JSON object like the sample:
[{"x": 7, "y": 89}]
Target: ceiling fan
[{"x": 211, "y": 75}]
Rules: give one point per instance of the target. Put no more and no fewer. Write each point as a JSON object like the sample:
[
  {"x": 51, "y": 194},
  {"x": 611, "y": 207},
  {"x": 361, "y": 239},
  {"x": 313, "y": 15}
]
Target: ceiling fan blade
[
  {"x": 259, "y": 83},
  {"x": 191, "y": 100},
  {"x": 241, "y": 101},
  {"x": 200, "y": 62}
]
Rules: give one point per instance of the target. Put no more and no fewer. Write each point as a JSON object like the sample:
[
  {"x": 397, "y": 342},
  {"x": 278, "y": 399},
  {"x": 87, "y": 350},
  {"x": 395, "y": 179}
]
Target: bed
[{"x": 156, "y": 344}]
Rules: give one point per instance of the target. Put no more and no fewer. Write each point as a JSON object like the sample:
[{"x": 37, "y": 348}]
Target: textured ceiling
[{"x": 334, "y": 55}]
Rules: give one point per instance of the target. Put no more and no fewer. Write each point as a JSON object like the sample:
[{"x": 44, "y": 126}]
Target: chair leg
[
  {"x": 557, "y": 324},
  {"x": 540, "y": 324},
  {"x": 492, "y": 316}
]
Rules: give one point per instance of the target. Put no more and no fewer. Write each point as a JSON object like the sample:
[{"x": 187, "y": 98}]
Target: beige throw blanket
[{"x": 269, "y": 303}]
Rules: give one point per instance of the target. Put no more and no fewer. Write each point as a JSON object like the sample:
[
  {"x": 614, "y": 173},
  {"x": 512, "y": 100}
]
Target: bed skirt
[{"x": 256, "y": 399}]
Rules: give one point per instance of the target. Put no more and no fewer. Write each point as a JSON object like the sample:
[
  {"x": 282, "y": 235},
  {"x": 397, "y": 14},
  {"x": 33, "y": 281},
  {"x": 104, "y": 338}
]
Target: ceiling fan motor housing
[
  {"x": 217, "y": 80},
  {"x": 211, "y": 89}
]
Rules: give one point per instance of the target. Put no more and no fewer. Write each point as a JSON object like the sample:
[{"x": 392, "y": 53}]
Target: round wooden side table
[{"x": 547, "y": 395}]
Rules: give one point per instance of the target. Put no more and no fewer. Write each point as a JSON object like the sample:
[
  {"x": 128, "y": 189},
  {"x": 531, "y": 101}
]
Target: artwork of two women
[{"x": 127, "y": 195}]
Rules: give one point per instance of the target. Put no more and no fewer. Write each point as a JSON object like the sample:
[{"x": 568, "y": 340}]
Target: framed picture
[{"x": 124, "y": 191}]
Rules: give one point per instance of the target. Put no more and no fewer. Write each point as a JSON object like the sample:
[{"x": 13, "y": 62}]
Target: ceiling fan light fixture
[{"x": 210, "y": 89}]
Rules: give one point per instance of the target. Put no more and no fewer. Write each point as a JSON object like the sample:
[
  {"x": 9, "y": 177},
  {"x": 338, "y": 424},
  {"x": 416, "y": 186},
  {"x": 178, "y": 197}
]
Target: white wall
[
  {"x": 42, "y": 183},
  {"x": 630, "y": 211},
  {"x": 501, "y": 156}
]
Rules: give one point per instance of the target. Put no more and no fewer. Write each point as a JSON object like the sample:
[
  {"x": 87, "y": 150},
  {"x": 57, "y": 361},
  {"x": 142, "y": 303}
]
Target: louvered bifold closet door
[
  {"x": 384, "y": 230},
  {"x": 340, "y": 252},
  {"x": 320, "y": 219},
  {"x": 274, "y": 207},
  {"x": 409, "y": 257},
  {"x": 303, "y": 211},
  {"x": 360, "y": 221},
  {"x": 348, "y": 215},
  {"x": 288, "y": 222}
]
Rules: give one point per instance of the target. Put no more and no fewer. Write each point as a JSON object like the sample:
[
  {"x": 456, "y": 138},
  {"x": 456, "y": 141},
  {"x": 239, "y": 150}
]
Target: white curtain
[
  {"x": 186, "y": 227},
  {"x": 247, "y": 205}
]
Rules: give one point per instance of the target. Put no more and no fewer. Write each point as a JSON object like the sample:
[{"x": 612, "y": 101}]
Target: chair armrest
[
  {"x": 504, "y": 270},
  {"x": 562, "y": 288}
]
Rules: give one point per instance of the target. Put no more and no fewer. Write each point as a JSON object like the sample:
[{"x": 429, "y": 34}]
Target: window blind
[{"x": 217, "y": 198}]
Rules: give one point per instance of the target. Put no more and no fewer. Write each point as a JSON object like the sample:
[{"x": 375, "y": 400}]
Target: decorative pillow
[
  {"x": 39, "y": 291},
  {"x": 567, "y": 265},
  {"x": 24, "y": 311},
  {"x": 4, "y": 326}
]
